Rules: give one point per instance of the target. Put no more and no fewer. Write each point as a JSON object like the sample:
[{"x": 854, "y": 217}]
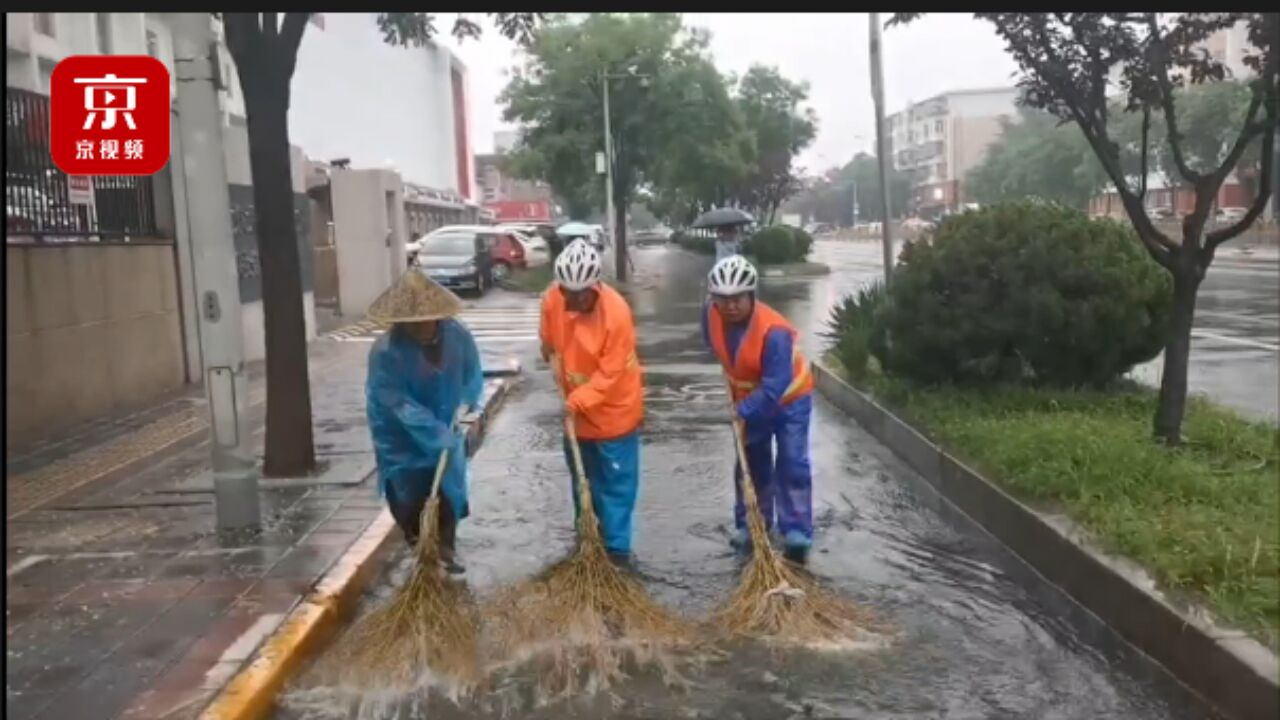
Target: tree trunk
[
  {"x": 290, "y": 449},
  {"x": 1173, "y": 384}
]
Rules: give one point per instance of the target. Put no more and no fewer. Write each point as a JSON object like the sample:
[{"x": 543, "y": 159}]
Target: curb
[
  {"x": 251, "y": 693},
  {"x": 1235, "y": 673}
]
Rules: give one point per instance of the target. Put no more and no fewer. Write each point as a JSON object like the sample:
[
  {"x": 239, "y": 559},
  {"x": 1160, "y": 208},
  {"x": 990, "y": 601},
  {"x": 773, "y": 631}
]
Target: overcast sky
[{"x": 938, "y": 53}]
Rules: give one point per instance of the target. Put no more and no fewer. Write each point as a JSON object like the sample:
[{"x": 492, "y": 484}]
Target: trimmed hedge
[{"x": 1024, "y": 292}]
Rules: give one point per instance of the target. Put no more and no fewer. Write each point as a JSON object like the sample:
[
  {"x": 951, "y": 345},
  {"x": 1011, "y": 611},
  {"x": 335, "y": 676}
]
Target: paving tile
[
  {"x": 306, "y": 561},
  {"x": 25, "y": 706}
]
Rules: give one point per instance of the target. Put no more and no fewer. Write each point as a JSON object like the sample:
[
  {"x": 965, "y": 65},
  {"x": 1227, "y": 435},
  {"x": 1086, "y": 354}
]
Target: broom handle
[
  {"x": 443, "y": 462},
  {"x": 748, "y": 483},
  {"x": 584, "y": 490}
]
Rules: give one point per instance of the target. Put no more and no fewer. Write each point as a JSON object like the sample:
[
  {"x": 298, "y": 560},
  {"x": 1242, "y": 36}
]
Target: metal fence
[{"x": 44, "y": 204}]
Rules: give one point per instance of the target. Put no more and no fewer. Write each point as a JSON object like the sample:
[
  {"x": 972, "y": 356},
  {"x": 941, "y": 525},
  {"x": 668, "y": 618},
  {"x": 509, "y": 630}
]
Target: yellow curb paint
[{"x": 252, "y": 692}]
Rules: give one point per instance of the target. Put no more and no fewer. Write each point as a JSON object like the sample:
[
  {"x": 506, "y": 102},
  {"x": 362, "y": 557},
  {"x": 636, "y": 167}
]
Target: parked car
[
  {"x": 918, "y": 224},
  {"x": 536, "y": 250},
  {"x": 457, "y": 256},
  {"x": 1230, "y": 214},
  {"x": 651, "y": 236}
]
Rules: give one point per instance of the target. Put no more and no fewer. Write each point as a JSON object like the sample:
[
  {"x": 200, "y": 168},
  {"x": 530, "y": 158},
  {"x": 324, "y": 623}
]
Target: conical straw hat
[{"x": 414, "y": 298}]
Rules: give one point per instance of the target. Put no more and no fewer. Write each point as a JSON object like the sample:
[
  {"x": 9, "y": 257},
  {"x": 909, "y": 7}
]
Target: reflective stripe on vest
[{"x": 580, "y": 379}]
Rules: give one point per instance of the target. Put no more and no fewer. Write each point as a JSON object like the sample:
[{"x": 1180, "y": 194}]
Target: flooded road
[{"x": 980, "y": 636}]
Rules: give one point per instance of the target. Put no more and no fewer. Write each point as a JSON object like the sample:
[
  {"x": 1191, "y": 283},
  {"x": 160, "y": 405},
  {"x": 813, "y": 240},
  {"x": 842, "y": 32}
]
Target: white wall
[
  {"x": 366, "y": 265},
  {"x": 984, "y": 104},
  {"x": 354, "y": 96}
]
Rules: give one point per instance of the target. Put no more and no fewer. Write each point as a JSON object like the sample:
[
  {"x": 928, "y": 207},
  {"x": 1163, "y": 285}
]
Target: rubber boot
[
  {"x": 796, "y": 547},
  {"x": 622, "y": 560}
]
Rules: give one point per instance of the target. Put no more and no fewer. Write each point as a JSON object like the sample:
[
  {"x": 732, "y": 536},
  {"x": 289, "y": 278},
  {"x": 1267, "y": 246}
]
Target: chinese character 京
[
  {"x": 101, "y": 97},
  {"x": 104, "y": 110}
]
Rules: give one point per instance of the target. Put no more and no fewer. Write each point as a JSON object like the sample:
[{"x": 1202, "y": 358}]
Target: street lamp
[
  {"x": 882, "y": 143},
  {"x": 620, "y": 251}
]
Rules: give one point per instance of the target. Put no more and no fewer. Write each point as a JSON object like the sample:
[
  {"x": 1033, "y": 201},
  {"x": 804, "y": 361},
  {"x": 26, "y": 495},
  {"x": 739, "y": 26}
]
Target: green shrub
[
  {"x": 852, "y": 326},
  {"x": 703, "y": 245},
  {"x": 771, "y": 246},
  {"x": 802, "y": 241},
  {"x": 1024, "y": 292}
]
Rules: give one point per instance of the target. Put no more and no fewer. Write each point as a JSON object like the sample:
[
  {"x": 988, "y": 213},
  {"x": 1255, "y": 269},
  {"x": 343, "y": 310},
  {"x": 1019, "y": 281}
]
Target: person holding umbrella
[
  {"x": 421, "y": 372},
  {"x": 772, "y": 387},
  {"x": 587, "y": 327},
  {"x": 728, "y": 223}
]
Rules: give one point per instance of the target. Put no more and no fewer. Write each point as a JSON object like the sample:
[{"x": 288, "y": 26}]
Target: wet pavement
[
  {"x": 980, "y": 635},
  {"x": 122, "y": 600}
]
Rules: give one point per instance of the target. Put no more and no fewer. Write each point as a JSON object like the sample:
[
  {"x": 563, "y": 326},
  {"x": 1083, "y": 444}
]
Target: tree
[
  {"x": 1208, "y": 116},
  {"x": 649, "y": 61},
  {"x": 830, "y": 199},
  {"x": 1037, "y": 156},
  {"x": 864, "y": 172},
  {"x": 708, "y": 152},
  {"x": 265, "y": 50},
  {"x": 1067, "y": 60},
  {"x": 770, "y": 106}
]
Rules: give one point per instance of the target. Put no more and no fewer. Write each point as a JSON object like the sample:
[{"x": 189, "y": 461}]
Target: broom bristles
[
  {"x": 779, "y": 602},
  {"x": 581, "y": 620},
  {"x": 431, "y": 622}
]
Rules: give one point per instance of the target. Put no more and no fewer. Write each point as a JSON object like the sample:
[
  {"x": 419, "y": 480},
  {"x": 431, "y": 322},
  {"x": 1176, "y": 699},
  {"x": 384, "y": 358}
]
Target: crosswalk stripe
[{"x": 489, "y": 325}]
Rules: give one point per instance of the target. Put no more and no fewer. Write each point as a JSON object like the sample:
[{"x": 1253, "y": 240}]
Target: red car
[{"x": 506, "y": 251}]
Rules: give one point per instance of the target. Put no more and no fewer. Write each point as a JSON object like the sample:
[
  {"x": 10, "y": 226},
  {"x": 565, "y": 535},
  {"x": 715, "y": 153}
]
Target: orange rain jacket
[{"x": 598, "y": 362}]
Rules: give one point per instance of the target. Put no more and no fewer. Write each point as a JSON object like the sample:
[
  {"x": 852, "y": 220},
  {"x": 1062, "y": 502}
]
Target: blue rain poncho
[{"x": 410, "y": 405}]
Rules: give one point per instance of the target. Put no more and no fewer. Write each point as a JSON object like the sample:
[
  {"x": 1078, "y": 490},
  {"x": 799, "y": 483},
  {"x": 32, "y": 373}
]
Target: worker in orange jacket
[
  {"x": 772, "y": 388},
  {"x": 588, "y": 327}
]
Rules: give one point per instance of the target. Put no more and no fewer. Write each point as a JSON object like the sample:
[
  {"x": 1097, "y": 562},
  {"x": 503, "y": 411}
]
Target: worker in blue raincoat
[
  {"x": 772, "y": 387},
  {"x": 422, "y": 372}
]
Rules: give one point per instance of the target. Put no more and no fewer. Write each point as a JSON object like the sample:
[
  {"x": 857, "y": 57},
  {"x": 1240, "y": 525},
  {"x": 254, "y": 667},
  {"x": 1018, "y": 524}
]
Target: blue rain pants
[
  {"x": 784, "y": 485},
  {"x": 613, "y": 474}
]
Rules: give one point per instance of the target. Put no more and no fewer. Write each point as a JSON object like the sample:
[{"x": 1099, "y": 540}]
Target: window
[
  {"x": 103, "y": 23},
  {"x": 46, "y": 24},
  {"x": 937, "y": 126},
  {"x": 153, "y": 45}
]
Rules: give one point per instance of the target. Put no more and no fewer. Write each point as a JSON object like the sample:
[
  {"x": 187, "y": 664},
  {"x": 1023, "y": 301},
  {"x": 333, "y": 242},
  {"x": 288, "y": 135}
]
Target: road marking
[
  {"x": 1270, "y": 321},
  {"x": 24, "y": 563},
  {"x": 1235, "y": 340}
]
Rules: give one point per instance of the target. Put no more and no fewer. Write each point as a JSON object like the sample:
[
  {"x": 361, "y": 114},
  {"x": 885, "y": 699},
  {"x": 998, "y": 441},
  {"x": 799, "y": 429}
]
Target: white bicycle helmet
[
  {"x": 578, "y": 266},
  {"x": 731, "y": 276}
]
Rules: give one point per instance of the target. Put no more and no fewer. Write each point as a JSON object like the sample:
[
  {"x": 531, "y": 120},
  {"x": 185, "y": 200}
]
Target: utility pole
[
  {"x": 619, "y": 252},
  {"x": 217, "y": 283},
  {"x": 882, "y": 145}
]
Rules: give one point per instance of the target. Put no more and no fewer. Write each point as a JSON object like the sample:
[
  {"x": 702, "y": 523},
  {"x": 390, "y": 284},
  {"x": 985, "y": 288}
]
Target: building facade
[
  {"x": 938, "y": 140},
  {"x": 511, "y": 199},
  {"x": 496, "y": 186},
  {"x": 357, "y": 98}
]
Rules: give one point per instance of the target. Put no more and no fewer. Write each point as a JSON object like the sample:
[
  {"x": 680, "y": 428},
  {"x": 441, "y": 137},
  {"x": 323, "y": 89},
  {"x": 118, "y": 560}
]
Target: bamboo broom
[
  {"x": 776, "y": 600},
  {"x": 580, "y": 621},
  {"x": 431, "y": 623}
]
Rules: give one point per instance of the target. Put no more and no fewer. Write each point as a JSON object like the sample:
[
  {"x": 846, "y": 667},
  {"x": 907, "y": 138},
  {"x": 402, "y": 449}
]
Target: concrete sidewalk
[{"x": 123, "y": 601}]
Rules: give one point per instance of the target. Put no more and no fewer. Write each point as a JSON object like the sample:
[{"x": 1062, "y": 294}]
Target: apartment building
[{"x": 938, "y": 140}]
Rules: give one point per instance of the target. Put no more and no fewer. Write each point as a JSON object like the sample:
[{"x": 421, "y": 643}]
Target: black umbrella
[{"x": 720, "y": 217}]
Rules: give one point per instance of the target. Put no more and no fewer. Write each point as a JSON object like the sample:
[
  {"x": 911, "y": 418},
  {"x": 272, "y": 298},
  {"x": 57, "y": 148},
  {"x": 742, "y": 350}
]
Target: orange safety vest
[
  {"x": 746, "y": 369},
  {"x": 598, "y": 361}
]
